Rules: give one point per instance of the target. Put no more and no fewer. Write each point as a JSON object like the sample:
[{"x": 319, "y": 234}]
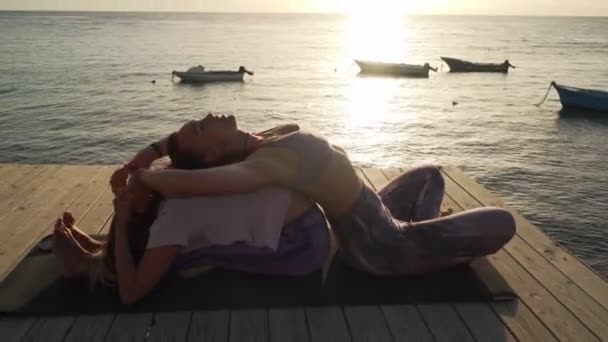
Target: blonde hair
[{"x": 99, "y": 272}]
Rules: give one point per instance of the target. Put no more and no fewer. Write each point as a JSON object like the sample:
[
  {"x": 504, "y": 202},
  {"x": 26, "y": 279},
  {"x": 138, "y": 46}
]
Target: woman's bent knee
[{"x": 505, "y": 224}]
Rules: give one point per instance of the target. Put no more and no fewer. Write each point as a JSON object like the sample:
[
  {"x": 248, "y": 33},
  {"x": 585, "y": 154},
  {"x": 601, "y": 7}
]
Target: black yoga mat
[{"x": 36, "y": 287}]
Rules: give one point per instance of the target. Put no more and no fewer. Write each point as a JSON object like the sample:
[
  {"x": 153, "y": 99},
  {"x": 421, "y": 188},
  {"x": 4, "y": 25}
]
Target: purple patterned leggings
[{"x": 398, "y": 231}]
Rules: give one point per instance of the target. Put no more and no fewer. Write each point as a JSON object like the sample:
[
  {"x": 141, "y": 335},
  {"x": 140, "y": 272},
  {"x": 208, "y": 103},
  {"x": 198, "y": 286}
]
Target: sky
[{"x": 491, "y": 7}]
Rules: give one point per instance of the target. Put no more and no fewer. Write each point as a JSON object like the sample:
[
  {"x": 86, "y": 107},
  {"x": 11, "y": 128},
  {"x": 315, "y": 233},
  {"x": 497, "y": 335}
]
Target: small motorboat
[
  {"x": 197, "y": 74},
  {"x": 459, "y": 65},
  {"x": 579, "y": 98},
  {"x": 394, "y": 69}
]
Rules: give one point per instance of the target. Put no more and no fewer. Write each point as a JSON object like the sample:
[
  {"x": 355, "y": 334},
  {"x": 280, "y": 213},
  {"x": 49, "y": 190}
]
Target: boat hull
[
  {"x": 211, "y": 76},
  {"x": 578, "y": 98},
  {"x": 392, "y": 69},
  {"x": 458, "y": 65}
]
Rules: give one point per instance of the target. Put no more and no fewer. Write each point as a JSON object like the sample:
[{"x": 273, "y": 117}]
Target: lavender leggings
[{"x": 398, "y": 231}]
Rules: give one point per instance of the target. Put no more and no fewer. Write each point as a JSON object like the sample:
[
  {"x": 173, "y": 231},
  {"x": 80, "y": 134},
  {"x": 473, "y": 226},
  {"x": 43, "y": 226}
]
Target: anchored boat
[
  {"x": 394, "y": 69},
  {"x": 459, "y": 65},
  {"x": 198, "y": 74},
  {"x": 580, "y": 98}
]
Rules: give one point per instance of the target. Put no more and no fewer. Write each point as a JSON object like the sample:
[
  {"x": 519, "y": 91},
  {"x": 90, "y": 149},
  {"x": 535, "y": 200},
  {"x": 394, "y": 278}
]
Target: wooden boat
[
  {"x": 579, "y": 98},
  {"x": 394, "y": 69},
  {"x": 459, "y": 65},
  {"x": 198, "y": 74}
]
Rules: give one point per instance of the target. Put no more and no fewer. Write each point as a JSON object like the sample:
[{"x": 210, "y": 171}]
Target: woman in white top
[{"x": 269, "y": 231}]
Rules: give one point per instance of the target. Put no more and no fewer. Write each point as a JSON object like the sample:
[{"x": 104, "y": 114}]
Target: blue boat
[{"x": 579, "y": 98}]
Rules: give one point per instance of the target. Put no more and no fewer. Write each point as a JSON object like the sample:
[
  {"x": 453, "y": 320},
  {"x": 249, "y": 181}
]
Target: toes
[
  {"x": 68, "y": 219},
  {"x": 62, "y": 231},
  {"x": 58, "y": 223},
  {"x": 69, "y": 233}
]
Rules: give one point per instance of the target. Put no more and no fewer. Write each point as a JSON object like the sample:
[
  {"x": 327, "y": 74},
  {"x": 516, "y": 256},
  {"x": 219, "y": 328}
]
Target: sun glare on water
[{"x": 374, "y": 31}]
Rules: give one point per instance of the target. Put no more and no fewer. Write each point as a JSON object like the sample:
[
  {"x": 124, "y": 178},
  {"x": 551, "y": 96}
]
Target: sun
[{"x": 375, "y": 30}]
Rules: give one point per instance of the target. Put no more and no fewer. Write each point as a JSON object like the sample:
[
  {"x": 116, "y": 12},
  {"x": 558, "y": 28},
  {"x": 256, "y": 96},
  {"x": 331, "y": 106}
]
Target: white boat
[
  {"x": 394, "y": 69},
  {"x": 198, "y": 74}
]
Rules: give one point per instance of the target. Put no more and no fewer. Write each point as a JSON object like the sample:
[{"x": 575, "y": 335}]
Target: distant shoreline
[{"x": 287, "y": 13}]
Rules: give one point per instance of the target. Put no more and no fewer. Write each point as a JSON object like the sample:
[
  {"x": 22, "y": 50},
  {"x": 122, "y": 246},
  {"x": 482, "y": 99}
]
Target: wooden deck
[{"x": 561, "y": 299}]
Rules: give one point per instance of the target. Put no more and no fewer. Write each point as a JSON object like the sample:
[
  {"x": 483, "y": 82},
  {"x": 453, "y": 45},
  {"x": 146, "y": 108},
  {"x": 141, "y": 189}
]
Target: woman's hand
[
  {"x": 118, "y": 181},
  {"x": 143, "y": 159},
  {"x": 135, "y": 186}
]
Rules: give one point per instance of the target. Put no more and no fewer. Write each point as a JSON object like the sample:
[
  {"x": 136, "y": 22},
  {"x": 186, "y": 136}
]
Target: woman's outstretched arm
[
  {"x": 135, "y": 282},
  {"x": 246, "y": 176}
]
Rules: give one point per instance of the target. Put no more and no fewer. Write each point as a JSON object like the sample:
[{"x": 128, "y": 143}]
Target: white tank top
[{"x": 255, "y": 218}]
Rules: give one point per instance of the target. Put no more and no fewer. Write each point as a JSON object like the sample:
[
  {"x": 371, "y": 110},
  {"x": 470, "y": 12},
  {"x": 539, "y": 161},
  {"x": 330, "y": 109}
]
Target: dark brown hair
[
  {"x": 180, "y": 159},
  {"x": 188, "y": 161}
]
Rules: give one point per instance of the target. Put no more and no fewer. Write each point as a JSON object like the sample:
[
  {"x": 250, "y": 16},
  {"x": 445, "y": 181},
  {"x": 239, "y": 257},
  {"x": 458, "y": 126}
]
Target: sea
[{"x": 77, "y": 88}]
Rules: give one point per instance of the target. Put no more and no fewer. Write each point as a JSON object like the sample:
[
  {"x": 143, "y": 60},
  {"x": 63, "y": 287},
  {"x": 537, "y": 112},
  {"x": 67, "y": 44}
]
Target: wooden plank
[
  {"x": 25, "y": 234},
  {"x": 49, "y": 329},
  {"x": 483, "y": 322},
  {"x": 97, "y": 221},
  {"x": 90, "y": 328},
  {"x": 13, "y": 329},
  {"x": 576, "y": 270},
  {"x": 518, "y": 318},
  {"x": 367, "y": 324},
  {"x": 8, "y": 173},
  {"x": 444, "y": 323},
  {"x": 327, "y": 324},
  {"x": 588, "y": 311},
  {"x": 248, "y": 325},
  {"x": 170, "y": 326},
  {"x": 55, "y": 187},
  {"x": 376, "y": 177},
  {"x": 130, "y": 327},
  {"x": 550, "y": 311},
  {"x": 99, "y": 214},
  {"x": 90, "y": 198},
  {"x": 406, "y": 324},
  {"x": 522, "y": 322},
  {"x": 288, "y": 325},
  {"x": 209, "y": 326},
  {"x": 12, "y": 177},
  {"x": 12, "y": 172},
  {"x": 361, "y": 175},
  {"x": 105, "y": 229},
  {"x": 22, "y": 189},
  {"x": 366, "y": 180}
]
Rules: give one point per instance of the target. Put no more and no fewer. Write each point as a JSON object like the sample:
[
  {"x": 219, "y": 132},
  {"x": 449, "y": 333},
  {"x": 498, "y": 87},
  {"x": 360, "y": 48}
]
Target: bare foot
[
  {"x": 71, "y": 255},
  {"x": 68, "y": 219},
  {"x": 88, "y": 243},
  {"x": 447, "y": 212}
]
